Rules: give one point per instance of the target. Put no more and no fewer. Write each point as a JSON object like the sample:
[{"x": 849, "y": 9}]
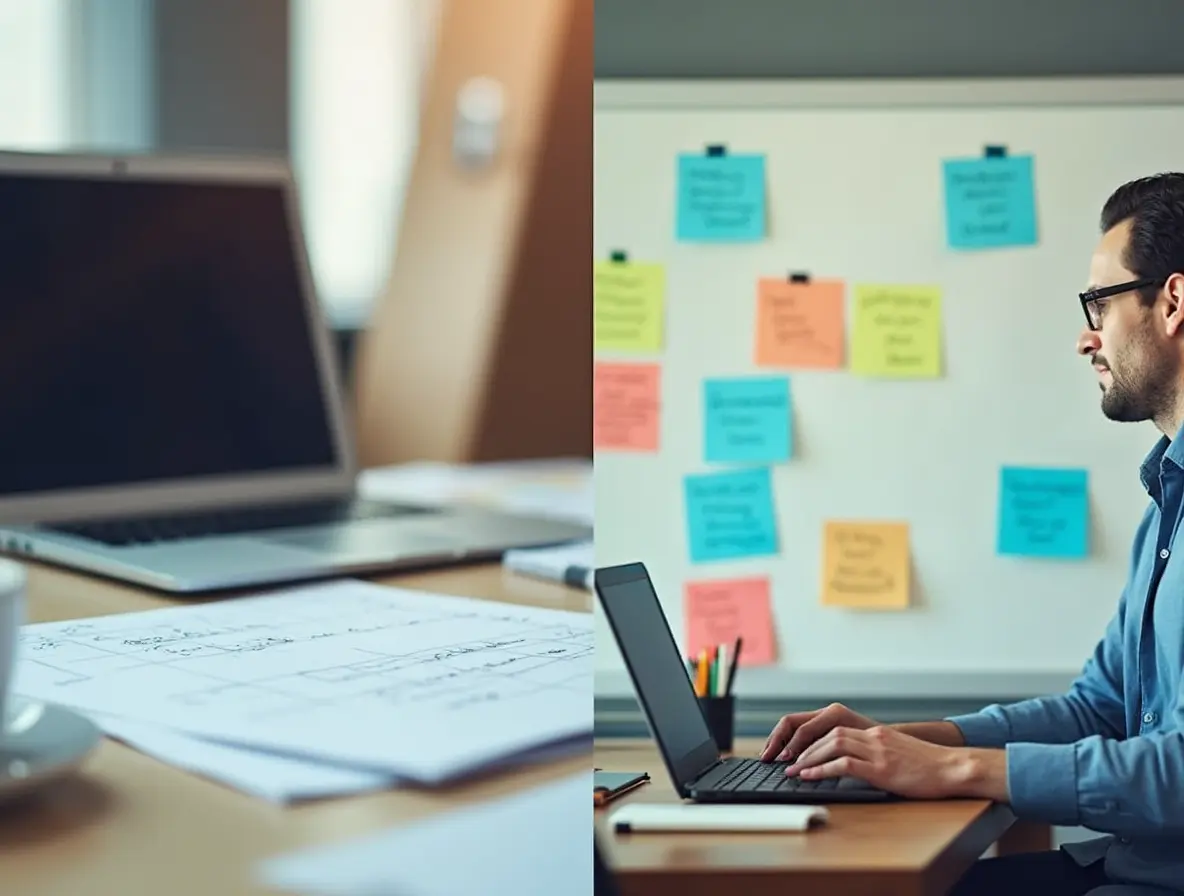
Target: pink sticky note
[
  {"x": 718, "y": 612},
  {"x": 626, "y": 406}
]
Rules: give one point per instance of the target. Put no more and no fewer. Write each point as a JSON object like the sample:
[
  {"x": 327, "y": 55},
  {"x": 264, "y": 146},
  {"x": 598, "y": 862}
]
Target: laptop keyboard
[
  {"x": 152, "y": 530},
  {"x": 752, "y": 774}
]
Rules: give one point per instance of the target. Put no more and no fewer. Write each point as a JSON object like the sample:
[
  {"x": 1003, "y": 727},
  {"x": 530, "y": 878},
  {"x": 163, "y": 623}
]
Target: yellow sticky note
[
  {"x": 866, "y": 565},
  {"x": 628, "y": 299},
  {"x": 896, "y": 331}
]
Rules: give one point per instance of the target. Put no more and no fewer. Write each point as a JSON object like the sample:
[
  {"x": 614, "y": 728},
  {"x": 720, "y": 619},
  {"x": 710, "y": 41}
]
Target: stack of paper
[
  {"x": 325, "y": 689},
  {"x": 538, "y": 841},
  {"x": 558, "y": 488}
]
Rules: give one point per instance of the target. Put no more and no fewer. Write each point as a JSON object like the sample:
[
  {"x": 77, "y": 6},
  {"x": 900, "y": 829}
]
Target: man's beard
[{"x": 1141, "y": 388}]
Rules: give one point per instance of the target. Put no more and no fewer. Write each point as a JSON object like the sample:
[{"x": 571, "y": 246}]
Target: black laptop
[{"x": 696, "y": 768}]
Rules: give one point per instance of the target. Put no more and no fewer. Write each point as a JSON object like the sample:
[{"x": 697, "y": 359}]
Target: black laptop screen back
[
  {"x": 659, "y": 675},
  {"x": 151, "y": 331}
]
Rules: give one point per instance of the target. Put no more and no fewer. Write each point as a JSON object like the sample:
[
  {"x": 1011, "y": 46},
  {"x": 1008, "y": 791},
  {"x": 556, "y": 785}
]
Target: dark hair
[{"x": 1155, "y": 207}]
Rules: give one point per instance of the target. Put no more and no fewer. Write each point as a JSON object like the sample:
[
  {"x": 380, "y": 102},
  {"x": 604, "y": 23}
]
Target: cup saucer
[{"x": 41, "y": 743}]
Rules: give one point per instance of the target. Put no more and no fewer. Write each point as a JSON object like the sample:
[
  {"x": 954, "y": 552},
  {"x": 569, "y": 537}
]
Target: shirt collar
[{"x": 1165, "y": 448}]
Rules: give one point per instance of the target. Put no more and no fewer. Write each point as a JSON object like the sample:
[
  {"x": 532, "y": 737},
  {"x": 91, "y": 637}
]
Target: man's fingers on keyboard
[
  {"x": 838, "y": 742},
  {"x": 780, "y": 734},
  {"x": 807, "y": 734},
  {"x": 841, "y": 767}
]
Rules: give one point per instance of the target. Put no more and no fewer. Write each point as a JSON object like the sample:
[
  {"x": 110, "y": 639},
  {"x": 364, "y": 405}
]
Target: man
[{"x": 1108, "y": 754}]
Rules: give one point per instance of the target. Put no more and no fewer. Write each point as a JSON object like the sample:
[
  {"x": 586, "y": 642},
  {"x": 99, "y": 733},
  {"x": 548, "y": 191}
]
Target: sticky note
[
  {"x": 865, "y": 565},
  {"x": 720, "y": 612},
  {"x": 799, "y": 324},
  {"x": 721, "y": 198},
  {"x": 990, "y": 202},
  {"x": 1043, "y": 512},
  {"x": 896, "y": 331},
  {"x": 625, "y": 406},
  {"x": 747, "y": 419},
  {"x": 730, "y": 515},
  {"x": 628, "y": 300}
]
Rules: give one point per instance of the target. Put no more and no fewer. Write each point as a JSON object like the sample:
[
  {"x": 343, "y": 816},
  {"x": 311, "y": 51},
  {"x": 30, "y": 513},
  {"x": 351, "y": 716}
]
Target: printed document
[{"x": 408, "y": 684}]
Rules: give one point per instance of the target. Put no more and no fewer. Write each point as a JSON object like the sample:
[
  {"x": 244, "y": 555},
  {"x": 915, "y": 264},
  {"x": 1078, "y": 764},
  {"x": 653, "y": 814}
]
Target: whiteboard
[{"x": 855, "y": 192}]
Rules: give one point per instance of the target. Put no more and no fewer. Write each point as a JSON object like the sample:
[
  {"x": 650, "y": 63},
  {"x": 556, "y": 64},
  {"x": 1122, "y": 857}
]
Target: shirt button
[
  {"x": 1148, "y": 717},
  {"x": 1164, "y": 554}
]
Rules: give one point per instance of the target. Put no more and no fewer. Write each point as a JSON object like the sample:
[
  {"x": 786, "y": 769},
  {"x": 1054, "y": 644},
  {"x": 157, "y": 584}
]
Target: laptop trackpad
[{"x": 367, "y": 541}]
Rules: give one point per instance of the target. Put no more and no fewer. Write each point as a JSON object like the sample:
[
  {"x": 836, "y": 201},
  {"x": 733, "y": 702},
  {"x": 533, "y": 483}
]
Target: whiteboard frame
[{"x": 855, "y": 93}]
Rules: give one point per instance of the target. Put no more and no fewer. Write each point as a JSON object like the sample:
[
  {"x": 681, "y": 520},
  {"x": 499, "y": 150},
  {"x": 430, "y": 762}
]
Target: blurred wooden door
[{"x": 481, "y": 347}]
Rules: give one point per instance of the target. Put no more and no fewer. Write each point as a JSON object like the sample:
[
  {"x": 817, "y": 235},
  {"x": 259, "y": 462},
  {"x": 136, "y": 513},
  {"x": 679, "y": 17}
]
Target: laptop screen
[
  {"x": 658, "y": 672},
  {"x": 151, "y": 330}
]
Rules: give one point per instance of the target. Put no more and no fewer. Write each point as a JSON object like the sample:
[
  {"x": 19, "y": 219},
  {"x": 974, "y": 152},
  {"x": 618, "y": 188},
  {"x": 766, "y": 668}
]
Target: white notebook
[{"x": 642, "y": 817}]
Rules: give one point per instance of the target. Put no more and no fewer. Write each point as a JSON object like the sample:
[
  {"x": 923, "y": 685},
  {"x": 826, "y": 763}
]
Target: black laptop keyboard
[
  {"x": 752, "y": 774},
  {"x": 150, "y": 530}
]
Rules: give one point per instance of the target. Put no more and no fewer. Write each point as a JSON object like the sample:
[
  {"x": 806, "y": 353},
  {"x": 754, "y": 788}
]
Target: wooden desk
[
  {"x": 130, "y": 825},
  {"x": 887, "y": 850}
]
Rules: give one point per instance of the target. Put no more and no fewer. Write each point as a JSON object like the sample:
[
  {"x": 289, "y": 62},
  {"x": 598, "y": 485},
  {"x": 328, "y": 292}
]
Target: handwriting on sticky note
[
  {"x": 747, "y": 419},
  {"x": 990, "y": 202},
  {"x": 896, "y": 331},
  {"x": 1043, "y": 512},
  {"x": 626, "y": 406},
  {"x": 721, "y": 198},
  {"x": 799, "y": 324},
  {"x": 866, "y": 564},
  {"x": 730, "y": 515},
  {"x": 719, "y": 612},
  {"x": 628, "y": 299}
]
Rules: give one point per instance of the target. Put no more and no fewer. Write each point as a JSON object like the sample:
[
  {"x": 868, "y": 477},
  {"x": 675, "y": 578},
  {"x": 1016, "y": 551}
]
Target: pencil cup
[{"x": 720, "y": 715}]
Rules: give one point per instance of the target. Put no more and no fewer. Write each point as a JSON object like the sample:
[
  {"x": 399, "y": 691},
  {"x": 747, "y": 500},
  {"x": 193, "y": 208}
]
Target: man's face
[{"x": 1135, "y": 363}]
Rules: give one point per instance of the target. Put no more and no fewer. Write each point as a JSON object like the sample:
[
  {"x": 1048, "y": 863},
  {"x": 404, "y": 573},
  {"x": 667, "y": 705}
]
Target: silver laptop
[{"x": 170, "y": 409}]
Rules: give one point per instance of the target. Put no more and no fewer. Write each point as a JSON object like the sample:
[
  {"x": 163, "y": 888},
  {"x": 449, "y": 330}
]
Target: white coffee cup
[{"x": 12, "y": 615}]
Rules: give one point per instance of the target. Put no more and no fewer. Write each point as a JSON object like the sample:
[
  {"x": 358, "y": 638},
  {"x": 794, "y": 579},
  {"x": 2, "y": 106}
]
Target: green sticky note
[
  {"x": 628, "y": 299},
  {"x": 896, "y": 331}
]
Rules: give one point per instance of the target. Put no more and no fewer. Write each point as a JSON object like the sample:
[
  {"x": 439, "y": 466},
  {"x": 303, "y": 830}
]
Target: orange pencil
[{"x": 701, "y": 674}]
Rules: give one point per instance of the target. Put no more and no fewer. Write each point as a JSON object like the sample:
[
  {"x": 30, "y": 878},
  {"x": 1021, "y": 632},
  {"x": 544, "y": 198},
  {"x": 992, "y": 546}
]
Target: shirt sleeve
[
  {"x": 1129, "y": 788},
  {"x": 1093, "y": 704}
]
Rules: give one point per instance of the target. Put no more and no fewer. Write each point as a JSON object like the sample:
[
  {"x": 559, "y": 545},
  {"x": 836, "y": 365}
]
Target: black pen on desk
[{"x": 732, "y": 667}]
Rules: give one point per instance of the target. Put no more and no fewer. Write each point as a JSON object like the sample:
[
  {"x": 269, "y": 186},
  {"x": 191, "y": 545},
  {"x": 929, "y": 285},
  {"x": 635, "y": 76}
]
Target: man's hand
[
  {"x": 798, "y": 730},
  {"x": 904, "y": 765}
]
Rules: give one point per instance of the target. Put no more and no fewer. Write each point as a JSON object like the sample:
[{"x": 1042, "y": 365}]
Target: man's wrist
[
  {"x": 945, "y": 734},
  {"x": 977, "y": 773}
]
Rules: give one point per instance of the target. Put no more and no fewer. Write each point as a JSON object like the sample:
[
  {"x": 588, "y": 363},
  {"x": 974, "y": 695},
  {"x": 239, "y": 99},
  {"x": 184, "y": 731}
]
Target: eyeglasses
[{"x": 1093, "y": 300}]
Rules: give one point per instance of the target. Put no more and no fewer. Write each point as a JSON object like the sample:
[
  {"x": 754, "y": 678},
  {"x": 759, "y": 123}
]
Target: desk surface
[
  {"x": 132, "y": 825},
  {"x": 889, "y": 849}
]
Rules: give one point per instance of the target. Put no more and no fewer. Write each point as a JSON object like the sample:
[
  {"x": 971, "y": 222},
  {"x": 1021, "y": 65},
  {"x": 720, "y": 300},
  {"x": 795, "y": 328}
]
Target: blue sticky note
[
  {"x": 721, "y": 198},
  {"x": 730, "y": 515},
  {"x": 1043, "y": 512},
  {"x": 990, "y": 202},
  {"x": 747, "y": 419}
]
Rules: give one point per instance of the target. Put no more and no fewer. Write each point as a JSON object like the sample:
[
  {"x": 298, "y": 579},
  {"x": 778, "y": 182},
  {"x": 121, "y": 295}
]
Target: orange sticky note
[
  {"x": 866, "y": 565},
  {"x": 626, "y": 406},
  {"x": 799, "y": 324},
  {"x": 719, "y": 612}
]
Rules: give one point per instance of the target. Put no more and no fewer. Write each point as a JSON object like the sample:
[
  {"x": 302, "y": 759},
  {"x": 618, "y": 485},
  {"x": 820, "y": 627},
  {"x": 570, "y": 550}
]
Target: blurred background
[{"x": 492, "y": 284}]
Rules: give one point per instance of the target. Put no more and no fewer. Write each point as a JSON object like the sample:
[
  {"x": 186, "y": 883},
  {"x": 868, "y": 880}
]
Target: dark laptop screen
[
  {"x": 658, "y": 673},
  {"x": 150, "y": 331}
]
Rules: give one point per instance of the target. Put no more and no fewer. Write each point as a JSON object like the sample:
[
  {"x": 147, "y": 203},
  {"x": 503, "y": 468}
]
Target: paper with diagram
[
  {"x": 420, "y": 686},
  {"x": 275, "y": 777}
]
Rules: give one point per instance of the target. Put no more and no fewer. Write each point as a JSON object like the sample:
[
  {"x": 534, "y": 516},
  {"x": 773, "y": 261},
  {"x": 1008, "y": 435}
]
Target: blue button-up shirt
[{"x": 1109, "y": 754}]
